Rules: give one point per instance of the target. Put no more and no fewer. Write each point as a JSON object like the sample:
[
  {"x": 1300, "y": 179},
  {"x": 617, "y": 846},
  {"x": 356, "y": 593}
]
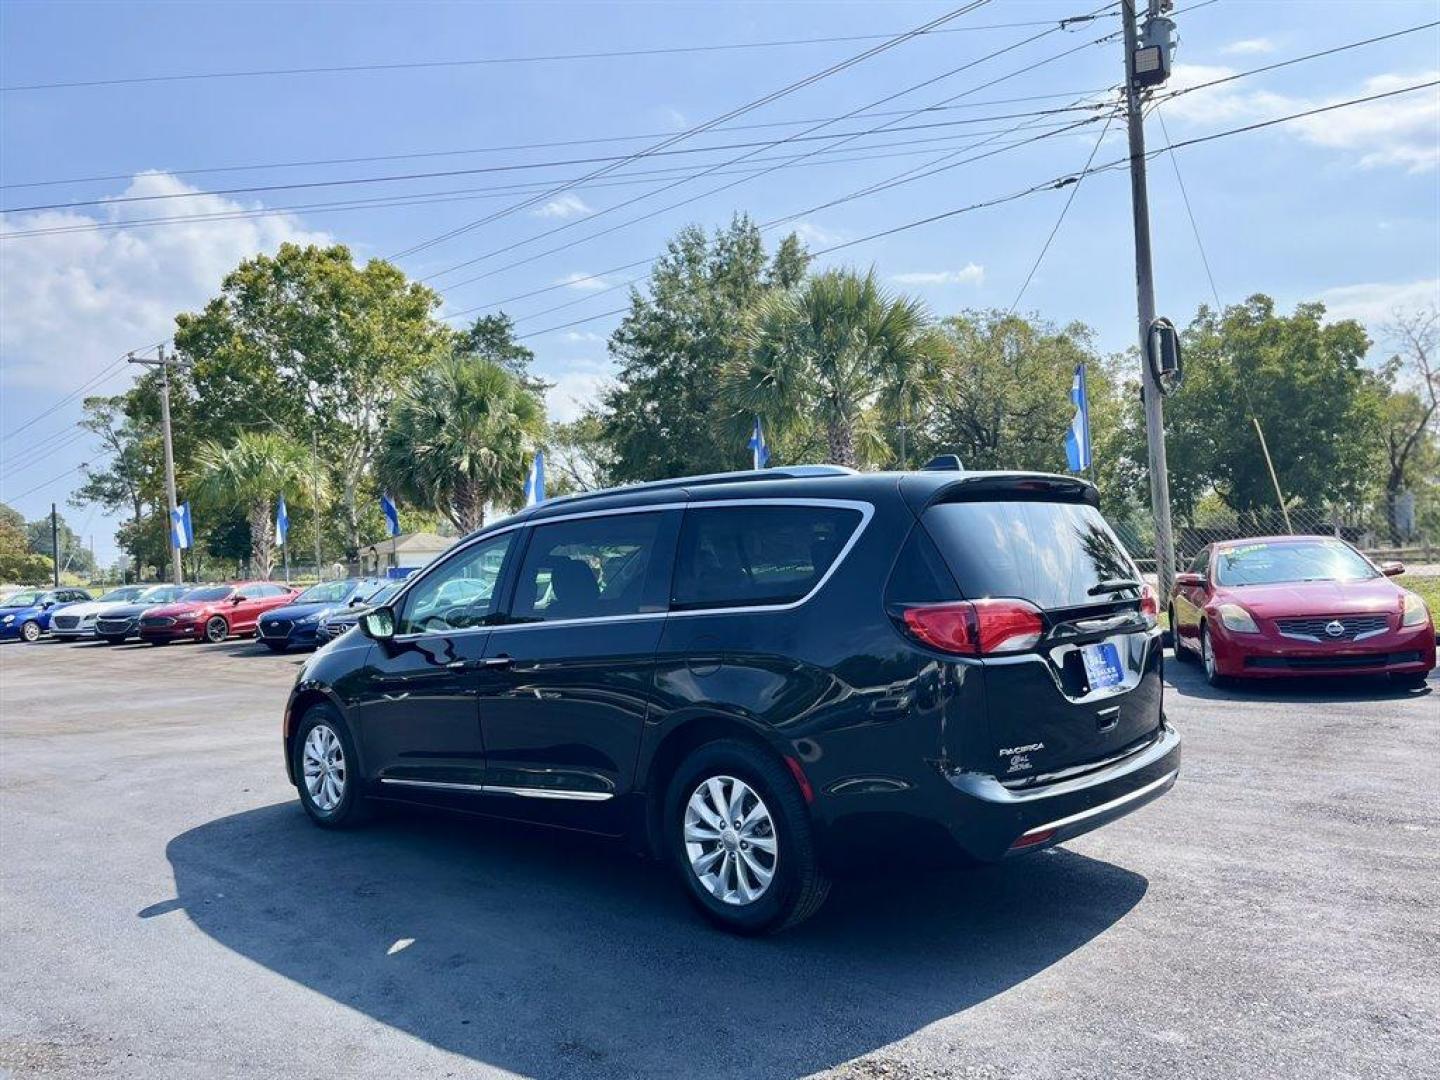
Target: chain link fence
[{"x": 1409, "y": 531}]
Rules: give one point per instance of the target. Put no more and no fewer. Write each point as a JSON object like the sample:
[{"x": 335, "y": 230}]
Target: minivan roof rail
[{"x": 783, "y": 472}]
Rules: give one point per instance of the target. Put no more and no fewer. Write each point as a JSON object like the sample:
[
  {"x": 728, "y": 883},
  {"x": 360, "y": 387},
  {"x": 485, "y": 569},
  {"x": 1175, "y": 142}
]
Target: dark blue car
[
  {"x": 295, "y": 624},
  {"x": 26, "y": 615}
]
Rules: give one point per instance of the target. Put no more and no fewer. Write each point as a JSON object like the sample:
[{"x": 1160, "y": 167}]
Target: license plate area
[{"x": 1102, "y": 665}]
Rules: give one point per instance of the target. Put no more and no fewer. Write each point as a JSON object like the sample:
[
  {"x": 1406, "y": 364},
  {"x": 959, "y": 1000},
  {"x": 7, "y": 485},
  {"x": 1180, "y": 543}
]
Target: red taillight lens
[
  {"x": 1149, "y": 605},
  {"x": 978, "y": 627}
]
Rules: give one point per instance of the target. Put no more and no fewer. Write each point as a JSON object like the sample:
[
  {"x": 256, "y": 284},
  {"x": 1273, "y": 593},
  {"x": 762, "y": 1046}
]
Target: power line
[
  {"x": 1064, "y": 210},
  {"x": 110, "y": 369},
  {"x": 529, "y": 186},
  {"x": 1058, "y": 183},
  {"x": 34, "y": 454},
  {"x": 723, "y": 187},
  {"x": 260, "y": 166},
  {"x": 47, "y": 483},
  {"x": 1185, "y": 196},
  {"x": 503, "y": 60},
  {"x": 741, "y": 110}
]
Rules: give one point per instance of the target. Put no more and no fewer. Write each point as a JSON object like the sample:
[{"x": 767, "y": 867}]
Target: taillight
[
  {"x": 1149, "y": 605},
  {"x": 976, "y": 627}
]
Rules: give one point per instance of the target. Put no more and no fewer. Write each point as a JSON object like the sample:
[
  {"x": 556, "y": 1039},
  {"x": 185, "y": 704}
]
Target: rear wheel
[
  {"x": 1207, "y": 659},
  {"x": 324, "y": 766},
  {"x": 1182, "y": 651},
  {"x": 739, "y": 835},
  {"x": 216, "y": 630},
  {"x": 30, "y": 632}
]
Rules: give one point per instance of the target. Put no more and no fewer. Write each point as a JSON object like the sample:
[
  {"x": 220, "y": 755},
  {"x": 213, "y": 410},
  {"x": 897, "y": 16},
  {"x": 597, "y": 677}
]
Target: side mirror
[
  {"x": 378, "y": 624},
  {"x": 46, "y": 605},
  {"x": 1190, "y": 580},
  {"x": 1392, "y": 569}
]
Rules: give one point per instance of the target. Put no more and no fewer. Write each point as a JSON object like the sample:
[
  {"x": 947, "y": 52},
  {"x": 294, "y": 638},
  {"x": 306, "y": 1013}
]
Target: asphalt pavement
[{"x": 166, "y": 910}]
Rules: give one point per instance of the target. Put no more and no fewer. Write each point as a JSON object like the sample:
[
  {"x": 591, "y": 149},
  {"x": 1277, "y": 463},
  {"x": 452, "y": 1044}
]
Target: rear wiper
[{"x": 1112, "y": 586}]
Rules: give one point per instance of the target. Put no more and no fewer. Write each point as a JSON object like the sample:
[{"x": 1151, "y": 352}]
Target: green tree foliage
[
  {"x": 665, "y": 415},
  {"x": 308, "y": 344},
  {"x": 462, "y": 436},
  {"x": 1410, "y": 414},
  {"x": 18, "y": 564},
  {"x": 840, "y": 353},
  {"x": 249, "y": 474},
  {"x": 492, "y": 338},
  {"x": 1305, "y": 382}
]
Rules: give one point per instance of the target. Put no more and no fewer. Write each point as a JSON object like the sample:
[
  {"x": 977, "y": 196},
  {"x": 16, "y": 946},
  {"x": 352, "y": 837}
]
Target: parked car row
[{"x": 277, "y": 615}]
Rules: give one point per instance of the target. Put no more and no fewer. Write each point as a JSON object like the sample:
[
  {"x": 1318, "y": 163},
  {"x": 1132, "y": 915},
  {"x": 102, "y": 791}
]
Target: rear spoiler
[{"x": 922, "y": 490}]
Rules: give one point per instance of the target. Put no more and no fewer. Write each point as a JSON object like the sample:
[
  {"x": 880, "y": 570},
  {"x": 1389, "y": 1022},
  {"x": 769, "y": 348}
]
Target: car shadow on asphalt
[
  {"x": 554, "y": 954},
  {"x": 1188, "y": 678}
]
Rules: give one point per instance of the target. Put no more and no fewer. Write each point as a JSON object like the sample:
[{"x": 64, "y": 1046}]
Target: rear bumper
[{"x": 991, "y": 822}]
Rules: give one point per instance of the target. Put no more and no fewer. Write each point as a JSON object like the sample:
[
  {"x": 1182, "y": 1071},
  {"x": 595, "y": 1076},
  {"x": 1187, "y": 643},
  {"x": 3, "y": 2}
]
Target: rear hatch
[{"x": 1059, "y": 621}]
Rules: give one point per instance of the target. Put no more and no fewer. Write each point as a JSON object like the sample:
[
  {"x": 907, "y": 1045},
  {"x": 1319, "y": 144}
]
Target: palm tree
[
  {"x": 841, "y": 350},
  {"x": 250, "y": 473},
  {"x": 459, "y": 437}
]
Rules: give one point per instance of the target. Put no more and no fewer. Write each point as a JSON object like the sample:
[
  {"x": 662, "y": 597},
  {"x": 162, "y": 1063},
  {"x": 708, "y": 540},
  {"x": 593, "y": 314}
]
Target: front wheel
[
  {"x": 30, "y": 632},
  {"x": 324, "y": 766},
  {"x": 216, "y": 630},
  {"x": 739, "y": 835},
  {"x": 1208, "y": 661}
]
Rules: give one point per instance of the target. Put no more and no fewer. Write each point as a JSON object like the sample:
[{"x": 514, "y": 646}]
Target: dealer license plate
[{"x": 1102, "y": 665}]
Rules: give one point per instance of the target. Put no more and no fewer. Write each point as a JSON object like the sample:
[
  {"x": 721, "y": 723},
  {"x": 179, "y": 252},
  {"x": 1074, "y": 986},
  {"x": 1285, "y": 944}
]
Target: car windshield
[
  {"x": 385, "y": 595},
  {"x": 28, "y": 598},
  {"x": 157, "y": 593},
  {"x": 116, "y": 595},
  {"x": 377, "y": 592},
  {"x": 207, "y": 592},
  {"x": 327, "y": 592},
  {"x": 1276, "y": 562}
]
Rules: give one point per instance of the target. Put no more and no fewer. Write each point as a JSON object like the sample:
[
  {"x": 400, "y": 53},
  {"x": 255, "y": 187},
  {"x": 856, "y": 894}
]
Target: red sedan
[
  {"x": 213, "y": 612},
  {"x": 1279, "y": 606}
]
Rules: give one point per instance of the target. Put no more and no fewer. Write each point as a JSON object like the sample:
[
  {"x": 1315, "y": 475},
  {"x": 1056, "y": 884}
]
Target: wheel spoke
[
  {"x": 697, "y": 832},
  {"x": 762, "y": 843},
  {"x": 761, "y": 874},
  {"x": 716, "y": 787},
  {"x": 738, "y": 791}
]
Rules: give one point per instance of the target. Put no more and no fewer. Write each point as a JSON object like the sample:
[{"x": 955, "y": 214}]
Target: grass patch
[{"x": 1427, "y": 586}]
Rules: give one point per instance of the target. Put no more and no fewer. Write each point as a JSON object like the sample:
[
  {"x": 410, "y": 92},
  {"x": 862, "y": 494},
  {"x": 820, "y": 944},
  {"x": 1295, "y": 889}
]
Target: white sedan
[{"x": 76, "y": 622}]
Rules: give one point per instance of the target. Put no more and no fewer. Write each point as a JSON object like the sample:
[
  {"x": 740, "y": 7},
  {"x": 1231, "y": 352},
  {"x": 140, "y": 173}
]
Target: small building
[{"x": 408, "y": 551}]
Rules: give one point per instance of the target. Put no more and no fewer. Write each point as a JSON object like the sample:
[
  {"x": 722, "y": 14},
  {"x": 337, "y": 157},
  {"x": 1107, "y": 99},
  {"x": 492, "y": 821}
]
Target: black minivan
[{"x": 764, "y": 678}]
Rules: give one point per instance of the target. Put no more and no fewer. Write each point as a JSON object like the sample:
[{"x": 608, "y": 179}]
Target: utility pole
[
  {"x": 55, "y": 542},
  {"x": 1145, "y": 298},
  {"x": 165, "y": 365},
  {"x": 315, "y": 496}
]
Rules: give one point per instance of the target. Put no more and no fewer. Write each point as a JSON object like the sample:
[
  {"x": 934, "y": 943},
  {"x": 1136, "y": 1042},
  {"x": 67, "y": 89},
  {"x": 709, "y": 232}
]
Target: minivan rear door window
[{"x": 755, "y": 556}]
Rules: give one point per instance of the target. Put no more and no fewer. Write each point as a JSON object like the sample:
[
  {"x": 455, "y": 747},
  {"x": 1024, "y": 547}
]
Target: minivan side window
[
  {"x": 460, "y": 593},
  {"x": 590, "y": 568},
  {"x": 756, "y": 556}
]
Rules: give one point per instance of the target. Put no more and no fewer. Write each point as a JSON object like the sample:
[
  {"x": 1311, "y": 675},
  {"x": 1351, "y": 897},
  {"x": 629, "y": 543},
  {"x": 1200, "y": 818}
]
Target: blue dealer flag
[
  {"x": 759, "y": 452},
  {"x": 282, "y": 521},
  {"x": 181, "y": 528},
  {"x": 392, "y": 515},
  {"x": 535, "y": 480},
  {"x": 1077, "y": 436}
]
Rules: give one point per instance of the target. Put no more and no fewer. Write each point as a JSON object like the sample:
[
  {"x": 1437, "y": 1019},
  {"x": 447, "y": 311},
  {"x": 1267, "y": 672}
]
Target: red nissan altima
[{"x": 1298, "y": 605}]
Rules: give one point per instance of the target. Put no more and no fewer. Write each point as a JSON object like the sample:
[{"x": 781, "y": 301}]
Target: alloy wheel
[
  {"x": 1207, "y": 653},
  {"x": 215, "y": 630},
  {"x": 730, "y": 840},
  {"x": 30, "y": 632},
  {"x": 323, "y": 764}
]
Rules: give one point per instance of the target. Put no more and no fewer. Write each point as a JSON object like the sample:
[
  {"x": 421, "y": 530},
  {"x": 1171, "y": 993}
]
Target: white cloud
[
  {"x": 566, "y": 205},
  {"x": 673, "y": 118},
  {"x": 576, "y": 388},
  {"x": 1249, "y": 47},
  {"x": 74, "y": 301},
  {"x": 969, "y": 274},
  {"x": 1375, "y": 303},
  {"x": 1397, "y": 131},
  {"x": 583, "y": 281},
  {"x": 588, "y": 336},
  {"x": 813, "y": 235}
]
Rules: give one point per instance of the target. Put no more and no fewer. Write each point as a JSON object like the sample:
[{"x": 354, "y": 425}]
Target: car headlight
[
  {"x": 1236, "y": 618},
  {"x": 188, "y": 616},
  {"x": 9, "y": 619},
  {"x": 1412, "y": 611},
  {"x": 308, "y": 620}
]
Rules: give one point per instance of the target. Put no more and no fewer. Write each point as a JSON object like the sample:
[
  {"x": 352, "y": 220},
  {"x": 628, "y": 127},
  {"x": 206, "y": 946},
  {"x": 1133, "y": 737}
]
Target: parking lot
[{"x": 169, "y": 912}]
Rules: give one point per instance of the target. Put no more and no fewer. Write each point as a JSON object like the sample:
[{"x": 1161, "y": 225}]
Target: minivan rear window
[
  {"x": 753, "y": 556},
  {"x": 1055, "y": 555}
]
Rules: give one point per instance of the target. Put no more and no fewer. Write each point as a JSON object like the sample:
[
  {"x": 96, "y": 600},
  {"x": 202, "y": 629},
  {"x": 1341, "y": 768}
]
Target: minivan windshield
[
  {"x": 1055, "y": 555},
  {"x": 1273, "y": 562}
]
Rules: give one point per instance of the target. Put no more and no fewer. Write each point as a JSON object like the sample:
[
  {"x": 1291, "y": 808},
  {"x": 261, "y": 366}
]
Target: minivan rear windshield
[{"x": 1055, "y": 555}]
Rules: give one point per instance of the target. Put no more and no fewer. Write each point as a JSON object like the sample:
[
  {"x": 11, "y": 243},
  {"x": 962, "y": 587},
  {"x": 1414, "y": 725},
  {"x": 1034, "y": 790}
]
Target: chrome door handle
[{"x": 497, "y": 662}]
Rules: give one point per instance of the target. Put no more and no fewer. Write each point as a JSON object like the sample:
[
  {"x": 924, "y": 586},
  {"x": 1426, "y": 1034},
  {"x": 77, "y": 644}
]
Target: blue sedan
[
  {"x": 295, "y": 624},
  {"x": 26, "y": 614}
]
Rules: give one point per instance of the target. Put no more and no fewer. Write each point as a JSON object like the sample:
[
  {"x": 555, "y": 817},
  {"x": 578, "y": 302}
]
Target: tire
[
  {"x": 1207, "y": 661},
  {"x": 774, "y": 810},
  {"x": 327, "y": 810},
  {"x": 160, "y": 641},
  {"x": 276, "y": 646},
  {"x": 216, "y": 630},
  {"x": 30, "y": 632},
  {"x": 1409, "y": 680}
]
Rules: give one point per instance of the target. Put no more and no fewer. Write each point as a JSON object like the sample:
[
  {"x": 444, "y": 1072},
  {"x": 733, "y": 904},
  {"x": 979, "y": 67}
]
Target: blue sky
[{"x": 1341, "y": 208}]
